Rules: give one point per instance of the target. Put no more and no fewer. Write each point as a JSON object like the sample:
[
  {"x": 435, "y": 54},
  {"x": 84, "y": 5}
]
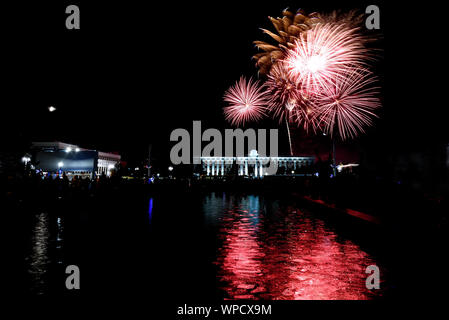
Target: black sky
[{"x": 135, "y": 71}]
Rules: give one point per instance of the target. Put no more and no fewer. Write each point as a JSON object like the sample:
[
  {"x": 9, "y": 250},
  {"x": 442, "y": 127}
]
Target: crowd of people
[{"x": 35, "y": 186}]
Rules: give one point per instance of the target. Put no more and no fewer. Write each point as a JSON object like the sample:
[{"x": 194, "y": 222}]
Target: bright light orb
[
  {"x": 290, "y": 105},
  {"x": 316, "y": 63},
  {"x": 304, "y": 65},
  {"x": 325, "y": 52}
]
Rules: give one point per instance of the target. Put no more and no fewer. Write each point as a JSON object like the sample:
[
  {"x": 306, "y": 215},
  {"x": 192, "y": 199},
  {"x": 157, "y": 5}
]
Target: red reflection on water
[{"x": 291, "y": 256}]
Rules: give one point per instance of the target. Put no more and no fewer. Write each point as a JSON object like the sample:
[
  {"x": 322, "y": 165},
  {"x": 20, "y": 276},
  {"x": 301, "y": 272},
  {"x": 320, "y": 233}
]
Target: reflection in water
[
  {"x": 150, "y": 209},
  {"x": 59, "y": 240},
  {"x": 273, "y": 253},
  {"x": 38, "y": 260}
]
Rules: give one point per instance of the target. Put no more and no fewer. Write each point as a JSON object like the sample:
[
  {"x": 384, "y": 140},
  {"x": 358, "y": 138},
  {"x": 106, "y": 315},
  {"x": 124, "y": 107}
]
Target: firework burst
[
  {"x": 284, "y": 92},
  {"x": 316, "y": 75},
  {"x": 347, "y": 104},
  {"x": 247, "y": 102},
  {"x": 287, "y": 100},
  {"x": 287, "y": 30},
  {"x": 325, "y": 52}
]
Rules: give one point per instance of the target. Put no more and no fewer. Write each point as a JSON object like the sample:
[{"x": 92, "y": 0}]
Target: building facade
[
  {"x": 73, "y": 160},
  {"x": 253, "y": 165},
  {"x": 107, "y": 162}
]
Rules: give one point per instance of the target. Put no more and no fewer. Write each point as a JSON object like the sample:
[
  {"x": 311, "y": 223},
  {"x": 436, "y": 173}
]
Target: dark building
[{"x": 73, "y": 160}]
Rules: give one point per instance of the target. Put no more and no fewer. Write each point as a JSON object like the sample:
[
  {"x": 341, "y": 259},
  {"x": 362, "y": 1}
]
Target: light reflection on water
[
  {"x": 38, "y": 260},
  {"x": 59, "y": 245},
  {"x": 269, "y": 252}
]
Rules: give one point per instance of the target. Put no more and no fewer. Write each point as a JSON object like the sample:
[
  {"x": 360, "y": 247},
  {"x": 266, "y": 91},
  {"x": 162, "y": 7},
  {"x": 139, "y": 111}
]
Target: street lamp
[
  {"x": 333, "y": 156},
  {"x": 170, "y": 168}
]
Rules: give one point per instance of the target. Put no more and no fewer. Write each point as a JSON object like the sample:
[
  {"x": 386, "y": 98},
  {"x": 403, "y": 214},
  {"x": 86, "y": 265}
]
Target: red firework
[
  {"x": 325, "y": 52},
  {"x": 347, "y": 104},
  {"x": 284, "y": 92},
  {"x": 247, "y": 102},
  {"x": 287, "y": 100}
]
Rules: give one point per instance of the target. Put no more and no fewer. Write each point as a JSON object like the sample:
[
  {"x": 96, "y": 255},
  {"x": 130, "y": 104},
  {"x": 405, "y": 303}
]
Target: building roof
[{"x": 59, "y": 146}]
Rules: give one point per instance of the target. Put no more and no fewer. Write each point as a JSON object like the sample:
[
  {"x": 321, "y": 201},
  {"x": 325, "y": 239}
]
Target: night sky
[{"x": 134, "y": 72}]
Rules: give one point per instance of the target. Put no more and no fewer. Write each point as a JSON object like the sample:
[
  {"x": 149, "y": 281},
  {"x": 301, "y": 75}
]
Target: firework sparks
[
  {"x": 347, "y": 104},
  {"x": 287, "y": 29},
  {"x": 316, "y": 75},
  {"x": 247, "y": 102},
  {"x": 325, "y": 52},
  {"x": 287, "y": 100},
  {"x": 284, "y": 92}
]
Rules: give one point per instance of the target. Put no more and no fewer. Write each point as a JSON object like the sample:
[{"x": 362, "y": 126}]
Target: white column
[
  {"x": 222, "y": 167},
  {"x": 213, "y": 168},
  {"x": 208, "y": 168},
  {"x": 246, "y": 167},
  {"x": 255, "y": 169},
  {"x": 261, "y": 170}
]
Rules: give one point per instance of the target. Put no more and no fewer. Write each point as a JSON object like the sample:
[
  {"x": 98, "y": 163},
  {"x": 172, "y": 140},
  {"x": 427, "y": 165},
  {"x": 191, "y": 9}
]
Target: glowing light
[
  {"x": 347, "y": 104},
  {"x": 284, "y": 92},
  {"x": 325, "y": 52},
  {"x": 247, "y": 102},
  {"x": 77, "y": 150},
  {"x": 316, "y": 63},
  {"x": 60, "y": 164},
  {"x": 170, "y": 168},
  {"x": 290, "y": 105},
  {"x": 111, "y": 166},
  {"x": 68, "y": 149},
  {"x": 150, "y": 208},
  {"x": 253, "y": 153},
  {"x": 51, "y": 109},
  {"x": 26, "y": 159},
  {"x": 288, "y": 100},
  {"x": 287, "y": 29},
  {"x": 267, "y": 259},
  {"x": 340, "y": 167}
]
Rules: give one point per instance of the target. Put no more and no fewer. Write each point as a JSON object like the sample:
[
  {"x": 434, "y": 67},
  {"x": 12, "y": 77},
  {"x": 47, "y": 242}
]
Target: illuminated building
[
  {"x": 73, "y": 160},
  {"x": 253, "y": 165}
]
